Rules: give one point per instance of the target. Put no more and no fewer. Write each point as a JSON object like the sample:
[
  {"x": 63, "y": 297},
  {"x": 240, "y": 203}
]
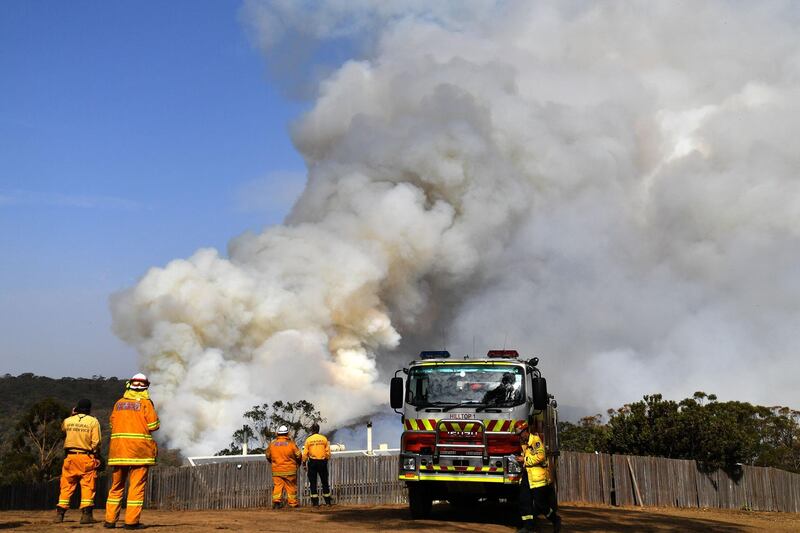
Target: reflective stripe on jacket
[
  {"x": 83, "y": 433},
  {"x": 132, "y": 420},
  {"x": 536, "y": 462},
  {"x": 284, "y": 455},
  {"x": 316, "y": 447}
]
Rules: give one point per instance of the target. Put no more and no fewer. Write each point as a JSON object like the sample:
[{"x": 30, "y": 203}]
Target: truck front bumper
[{"x": 421, "y": 468}]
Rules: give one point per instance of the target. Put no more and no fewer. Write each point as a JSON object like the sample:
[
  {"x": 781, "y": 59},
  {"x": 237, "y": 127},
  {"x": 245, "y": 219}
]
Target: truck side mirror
[
  {"x": 540, "y": 396},
  {"x": 396, "y": 393}
]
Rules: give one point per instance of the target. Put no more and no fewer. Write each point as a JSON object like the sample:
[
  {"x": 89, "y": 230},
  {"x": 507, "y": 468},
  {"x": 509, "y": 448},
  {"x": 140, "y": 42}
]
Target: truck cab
[{"x": 461, "y": 421}]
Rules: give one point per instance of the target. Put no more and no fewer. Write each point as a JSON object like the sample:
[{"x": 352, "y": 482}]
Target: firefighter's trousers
[
  {"x": 137, "y": 480},
  {"x": 533, "y": 502},
  {"x": 78, "y": 468},
  {"x": 287, "y": 483},
  {"x": 318, "y": 467}
]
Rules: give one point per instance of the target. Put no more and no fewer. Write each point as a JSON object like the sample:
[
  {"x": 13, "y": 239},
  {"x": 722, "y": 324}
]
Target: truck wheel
[{"x": 419, "y": 501}]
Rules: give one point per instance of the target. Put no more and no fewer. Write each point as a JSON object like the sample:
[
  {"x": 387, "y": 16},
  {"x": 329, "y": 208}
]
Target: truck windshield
[{"x": 449, "y": 385}]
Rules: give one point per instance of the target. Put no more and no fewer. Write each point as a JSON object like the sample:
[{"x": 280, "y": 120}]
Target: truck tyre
[{"x": 419, "y": 501}]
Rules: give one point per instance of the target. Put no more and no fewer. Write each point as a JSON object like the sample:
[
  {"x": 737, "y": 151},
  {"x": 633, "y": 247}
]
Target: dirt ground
[{"x": 395, "y": 518}]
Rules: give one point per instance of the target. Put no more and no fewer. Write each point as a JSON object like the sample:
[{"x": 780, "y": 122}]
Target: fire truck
[{"x": 461, "y": 421}]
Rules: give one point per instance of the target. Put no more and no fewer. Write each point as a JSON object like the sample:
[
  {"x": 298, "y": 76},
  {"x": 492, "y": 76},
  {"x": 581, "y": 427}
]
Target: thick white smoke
[{"x": 611, "y": 186}]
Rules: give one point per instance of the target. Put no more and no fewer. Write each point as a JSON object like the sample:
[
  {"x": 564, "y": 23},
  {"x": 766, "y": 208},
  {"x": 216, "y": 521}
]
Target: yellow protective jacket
[
  {"x": 316, "y": 447},
  {"x": 535, "y": 459},
  {"x": 132, "y": 420},
  {"x": 284, "y": 455},
  {"x": 83, "y": 433}
]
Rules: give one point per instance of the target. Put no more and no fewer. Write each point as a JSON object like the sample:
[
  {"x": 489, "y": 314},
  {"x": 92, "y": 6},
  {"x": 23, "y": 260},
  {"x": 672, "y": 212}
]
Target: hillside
[{"x": 19, "y": 393}]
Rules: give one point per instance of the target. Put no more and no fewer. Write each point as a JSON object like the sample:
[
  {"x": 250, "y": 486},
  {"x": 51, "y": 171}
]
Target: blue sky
[{"x": 131, "y": 133}]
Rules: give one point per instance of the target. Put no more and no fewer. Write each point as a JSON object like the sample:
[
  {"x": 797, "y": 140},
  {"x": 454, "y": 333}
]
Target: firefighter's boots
[{"x": 86, "y": 516}]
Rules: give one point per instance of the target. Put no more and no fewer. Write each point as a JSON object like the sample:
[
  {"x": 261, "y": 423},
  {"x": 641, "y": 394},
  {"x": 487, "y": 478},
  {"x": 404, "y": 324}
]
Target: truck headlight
[{"x": 409, "y": 463}]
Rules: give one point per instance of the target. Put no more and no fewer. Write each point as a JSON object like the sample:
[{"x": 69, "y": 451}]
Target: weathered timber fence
[
  {"x": 582, "y": 477},
  {"x": 44, "y": 495},
  {"x": 585, "y": 477},
  {"x": 354, "y": 480},
  {"x": 677, "y": 483}
]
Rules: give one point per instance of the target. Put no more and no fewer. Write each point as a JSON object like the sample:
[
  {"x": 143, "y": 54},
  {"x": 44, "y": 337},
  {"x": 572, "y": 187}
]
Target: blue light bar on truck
[
  {"x": 503, "y": 353},
  {"x": 439, "y": 354}
]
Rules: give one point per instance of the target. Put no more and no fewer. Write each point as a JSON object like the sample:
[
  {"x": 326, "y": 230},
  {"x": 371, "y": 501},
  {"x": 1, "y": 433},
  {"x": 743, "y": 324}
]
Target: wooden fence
[
  {"x": 585, "y": 477},
  {"x": 582, "y": 477},
  {"x": 675, "y": 483},
  {"x": 354, "y": 480},
  {"x": 44, "y": 495}
]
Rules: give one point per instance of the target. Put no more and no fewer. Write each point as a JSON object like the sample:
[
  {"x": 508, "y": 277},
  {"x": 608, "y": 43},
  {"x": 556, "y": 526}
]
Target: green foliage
[
  {"x": 588, "y": 436},
  {"x": 36, "y": 448},
  {"x": 716, "y": 434},
  {"x": 647, "y": 427},
  {"x": 18, "y": 394},
  {"x": 264, "y": 421},
  {"x": 725, "y": 434}
]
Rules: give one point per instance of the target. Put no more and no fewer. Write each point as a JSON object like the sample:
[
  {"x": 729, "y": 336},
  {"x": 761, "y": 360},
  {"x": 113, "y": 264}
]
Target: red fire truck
[{"x": 461, "y": 421}]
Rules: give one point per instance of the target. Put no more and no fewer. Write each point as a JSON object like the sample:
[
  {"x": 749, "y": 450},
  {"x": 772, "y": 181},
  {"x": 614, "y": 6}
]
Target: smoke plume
[{"x": 610, "y": 186}]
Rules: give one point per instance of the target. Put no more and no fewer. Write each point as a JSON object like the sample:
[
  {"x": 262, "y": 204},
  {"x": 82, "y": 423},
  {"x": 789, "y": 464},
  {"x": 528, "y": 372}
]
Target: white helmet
[
  {"x": 283, "y": 430},
  {"x": 139, "y": 382}
]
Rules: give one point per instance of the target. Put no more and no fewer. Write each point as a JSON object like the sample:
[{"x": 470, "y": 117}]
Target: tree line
[
  {"x": 718, "y": 435},
  {"x": 32, "y": 409}
]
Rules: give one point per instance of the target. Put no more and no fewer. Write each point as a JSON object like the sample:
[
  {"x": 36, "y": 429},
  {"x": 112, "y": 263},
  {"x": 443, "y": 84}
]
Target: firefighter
[
  {"x": 284, "y": 456},
  {"x": 133, "y": 451},
  {"x": 81, "y": 452},
  {"x": 505, "y": 393},
  {"x": 536, "y": 492},
  {"x": 316, "y": 453}
]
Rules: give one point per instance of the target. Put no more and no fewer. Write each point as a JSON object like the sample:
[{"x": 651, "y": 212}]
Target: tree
[
  {"x": 718, "y": 435},
  {"x": 264, "y": 420},
  {"x": 589, "y": 435},
  {"x": 647, "y": 427},
  {"x": 729, "y": 436},
  {"x": 37, "y": 444},
  {"x": 780, "y": 439}
]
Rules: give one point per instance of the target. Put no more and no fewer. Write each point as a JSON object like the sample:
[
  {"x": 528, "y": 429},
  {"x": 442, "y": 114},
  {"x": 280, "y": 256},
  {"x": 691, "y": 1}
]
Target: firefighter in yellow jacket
[
  {"x": 536, "y": 493},
  {"x": 316, "y": 453},
  {"x": 284, "y": 456},
  {"x": 81, "y": 449},
  {"x": 132, "y": 452}
]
